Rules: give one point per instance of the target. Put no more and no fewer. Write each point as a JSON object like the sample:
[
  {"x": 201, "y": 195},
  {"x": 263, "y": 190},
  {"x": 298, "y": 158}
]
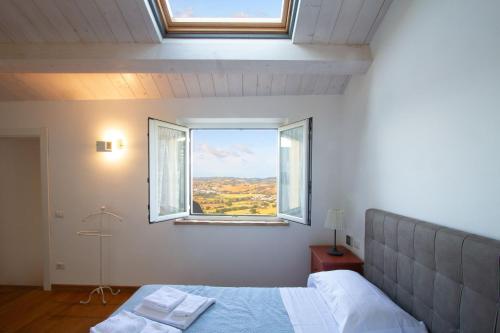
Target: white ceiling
[
  {"x": 339, "y": 21},
  {"x": 104, "y": 86},
  {"x": 51, "y": 24},
  {"x": 76, "y": 21}
]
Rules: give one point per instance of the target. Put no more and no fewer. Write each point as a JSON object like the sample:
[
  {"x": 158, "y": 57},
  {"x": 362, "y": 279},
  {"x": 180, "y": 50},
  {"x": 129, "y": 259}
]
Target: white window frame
[
  {"x": 189, "y": 124},
  {"x": 305, "y": 196},
  {"x": 154, "y": 211}
]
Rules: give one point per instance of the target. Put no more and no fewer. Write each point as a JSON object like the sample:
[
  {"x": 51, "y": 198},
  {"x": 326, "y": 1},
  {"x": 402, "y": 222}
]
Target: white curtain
[
  {"x": 171, "y": 171},
  {"x": 291, "y": 171}
]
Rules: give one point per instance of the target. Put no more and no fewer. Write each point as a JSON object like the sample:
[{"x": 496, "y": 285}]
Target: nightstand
[{"x": 322, "y": 261}]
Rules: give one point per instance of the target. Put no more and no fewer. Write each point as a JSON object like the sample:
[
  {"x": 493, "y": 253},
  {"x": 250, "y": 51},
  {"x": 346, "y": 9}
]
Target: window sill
[{"x": 279, "y": 223}]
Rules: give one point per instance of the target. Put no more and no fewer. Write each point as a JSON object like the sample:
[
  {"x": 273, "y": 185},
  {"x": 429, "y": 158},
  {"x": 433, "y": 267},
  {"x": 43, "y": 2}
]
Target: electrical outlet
[
  {"x": 348, "y": 240},
  {"x": 60, "y": 266}
]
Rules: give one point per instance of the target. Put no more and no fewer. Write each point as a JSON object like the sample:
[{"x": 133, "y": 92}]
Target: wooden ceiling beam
[{"x": 186, "y": 56}]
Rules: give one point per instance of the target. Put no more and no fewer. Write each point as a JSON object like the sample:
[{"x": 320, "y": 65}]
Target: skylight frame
[{"x": 232, "y": 26}]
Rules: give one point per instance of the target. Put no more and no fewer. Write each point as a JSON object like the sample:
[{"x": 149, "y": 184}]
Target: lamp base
[{"x": 334, "y": 252}]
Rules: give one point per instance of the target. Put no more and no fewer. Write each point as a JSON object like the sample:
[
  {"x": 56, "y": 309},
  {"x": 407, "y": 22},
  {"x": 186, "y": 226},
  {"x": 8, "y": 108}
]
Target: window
[
  {"x": 249, "y": 172},
  {"x": 234, "y": 171},
  {"x": 225, "y": 16}
]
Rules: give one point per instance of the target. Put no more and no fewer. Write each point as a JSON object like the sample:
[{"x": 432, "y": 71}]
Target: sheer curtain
[
  {"x": 171, "y": 171},
  {"x": 291, "y": 172}
]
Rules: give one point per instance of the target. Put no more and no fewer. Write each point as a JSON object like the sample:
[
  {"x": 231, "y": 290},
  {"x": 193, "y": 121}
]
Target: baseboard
[{"x": 88, "y": 287}]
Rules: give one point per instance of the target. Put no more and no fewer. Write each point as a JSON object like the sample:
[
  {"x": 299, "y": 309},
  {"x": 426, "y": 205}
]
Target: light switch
[{"x": 59, "y": 214}]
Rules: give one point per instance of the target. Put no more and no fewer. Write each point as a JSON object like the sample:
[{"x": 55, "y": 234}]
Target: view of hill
[{"x": 235, "y": 196}]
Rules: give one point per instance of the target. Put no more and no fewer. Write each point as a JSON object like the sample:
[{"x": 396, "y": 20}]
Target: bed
[{"x": 446, "y": 279}]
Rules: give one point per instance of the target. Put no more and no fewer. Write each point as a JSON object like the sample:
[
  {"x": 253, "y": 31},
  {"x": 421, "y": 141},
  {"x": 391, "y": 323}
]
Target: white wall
[
  {"x": 21, "y": 261},
  {"x": 82, "y": 180},
  {"x": 421, "y": 131}
]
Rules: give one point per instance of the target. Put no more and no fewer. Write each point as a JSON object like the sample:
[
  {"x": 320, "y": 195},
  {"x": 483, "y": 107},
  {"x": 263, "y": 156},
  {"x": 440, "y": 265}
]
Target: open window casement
[
  {"x": 294, "y": 186},
  {"x": 168, "y": 171}
]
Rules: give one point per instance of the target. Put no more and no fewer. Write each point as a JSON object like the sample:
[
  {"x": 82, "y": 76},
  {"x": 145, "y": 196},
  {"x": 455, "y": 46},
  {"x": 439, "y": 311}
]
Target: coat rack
[{"x": 99, "y": 233}]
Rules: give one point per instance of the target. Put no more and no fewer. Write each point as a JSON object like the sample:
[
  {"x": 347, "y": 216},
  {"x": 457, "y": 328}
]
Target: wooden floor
[{"x": 30, "y": 309}]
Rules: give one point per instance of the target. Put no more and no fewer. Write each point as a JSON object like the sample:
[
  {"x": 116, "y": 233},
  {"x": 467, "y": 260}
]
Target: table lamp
[{"x": 334, "y": 220}]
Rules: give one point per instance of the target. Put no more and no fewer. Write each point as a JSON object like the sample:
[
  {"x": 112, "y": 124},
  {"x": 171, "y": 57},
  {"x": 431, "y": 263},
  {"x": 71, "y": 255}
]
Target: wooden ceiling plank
[
  {"x": 30, "y": 91},
  {"x": 116, "y": 22},
  {"x": 135, "y": 85},
  {"x": 192, "y": 84},
  {"x": 305, "y": 22},
  {"x": 206, "y": 85},
  {"x": 307, "y": 83},
  {"x": 96, "y": 20},
  {"x": 163, "y": 85},
  {"x": 66, "y": 87},
  {"x": 364, "y": 22},
  {"x": 42, "y": 84},
  {"x": 250, "y": 84},
  {"x": 220, "y": 84},
  {"x": 135, "y": 20},
  {"x": 72, "y": 13},
  {"x": 322, "y": 84},
  {"x": 278, "y": 84},
  {"x": 149, "y": 85},
  {"x": 7, "y": 93},
  {"x": 14, "y": 89},
  {"x": 150, "y": 21},
  {"x": 4, "y": 37},
  {"x": 78, "y": 89},
  {"x": 88, "y": 80},
  {"x": 337, "y": 84},
  {"x": 264, "y": 81},
  {"x": 120, "y": 85},
  {"x": 378, "y": 20},
  {"x": 327, "y": 18},
  {"x": 235, "y": 84},
  {"x": 349, "y": 12},
  {"x": 178, "y": 86},
  {"x": 17, "y": 25},
  {"x": 100, "y": 85},
  {"x": 59, "y": 22},
  {"x": 39, "y": 22},
  {"x": 292, "y": 86}
]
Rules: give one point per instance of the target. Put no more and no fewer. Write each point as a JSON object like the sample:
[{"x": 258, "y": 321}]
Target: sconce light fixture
[
  {"x": 111, "y": 142},
  {"x": 109, "y": 146}
]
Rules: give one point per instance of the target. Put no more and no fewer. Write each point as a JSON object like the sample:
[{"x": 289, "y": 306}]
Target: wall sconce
[{"x": 109, "y": 146}]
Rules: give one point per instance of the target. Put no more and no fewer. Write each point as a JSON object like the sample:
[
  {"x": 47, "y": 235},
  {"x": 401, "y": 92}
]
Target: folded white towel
[
  {"x": 165, "y": 299},
  {"x": 189, "y": 305},
  {"x": 181, "y": 322},
  {"x": 127, "y": 322}
]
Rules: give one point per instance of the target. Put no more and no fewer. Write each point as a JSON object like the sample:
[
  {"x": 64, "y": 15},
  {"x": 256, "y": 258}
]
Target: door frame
[{"x": 43, "y": 135}]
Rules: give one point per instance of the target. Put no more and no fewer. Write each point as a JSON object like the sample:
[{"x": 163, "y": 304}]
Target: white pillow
[{"x": 359, "y": 306}]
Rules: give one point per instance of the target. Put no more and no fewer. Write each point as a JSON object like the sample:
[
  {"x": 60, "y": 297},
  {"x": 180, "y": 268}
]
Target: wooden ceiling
[
  {"x": 109, "y": 86},
  {"x": 76, "y": 21},
  {"x": 27, "y": 74},
  {"x": 339, "y": 21}
]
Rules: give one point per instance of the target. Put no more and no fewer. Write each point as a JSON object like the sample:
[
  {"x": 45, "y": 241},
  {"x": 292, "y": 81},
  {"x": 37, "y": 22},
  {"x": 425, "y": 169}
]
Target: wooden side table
[{"x": 322, "y": 261}]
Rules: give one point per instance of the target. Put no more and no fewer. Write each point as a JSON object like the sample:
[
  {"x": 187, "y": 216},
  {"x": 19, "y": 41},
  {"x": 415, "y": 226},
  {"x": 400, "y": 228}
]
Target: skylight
[{"x": 226, "y": 16}]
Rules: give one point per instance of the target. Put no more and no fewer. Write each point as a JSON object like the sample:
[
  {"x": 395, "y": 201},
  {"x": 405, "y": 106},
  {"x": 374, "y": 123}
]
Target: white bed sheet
[{"x": 307, "y": 310}]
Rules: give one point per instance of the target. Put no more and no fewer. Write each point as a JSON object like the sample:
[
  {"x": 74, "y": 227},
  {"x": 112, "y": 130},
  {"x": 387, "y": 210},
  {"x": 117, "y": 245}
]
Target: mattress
[{"x": 252, "y": 310}]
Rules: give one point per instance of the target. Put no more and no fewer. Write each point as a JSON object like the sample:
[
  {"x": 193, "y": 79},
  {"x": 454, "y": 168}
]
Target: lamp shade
[{"x": 335, "y": 219}]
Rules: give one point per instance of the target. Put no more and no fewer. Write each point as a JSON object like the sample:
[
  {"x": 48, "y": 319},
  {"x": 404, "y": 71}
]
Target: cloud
[
  {"x": 205, "y": 149},
  {"x": 243, "y": 149},
  {"x": 185, "y": 12},
  {"x": 240, "y": 14}
]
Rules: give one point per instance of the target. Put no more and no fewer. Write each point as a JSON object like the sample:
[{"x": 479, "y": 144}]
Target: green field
[{"x": 235, "y": 196}]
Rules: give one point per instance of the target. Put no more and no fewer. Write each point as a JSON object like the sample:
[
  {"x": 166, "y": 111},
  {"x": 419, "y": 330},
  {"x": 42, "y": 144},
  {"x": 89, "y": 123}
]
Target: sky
[
  {"x": 226, "y": 8},
  {"x": 245, "y": 153}
]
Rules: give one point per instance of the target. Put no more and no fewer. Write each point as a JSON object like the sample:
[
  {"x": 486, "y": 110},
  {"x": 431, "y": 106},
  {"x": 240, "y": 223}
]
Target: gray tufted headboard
[{"x": 446, "y": 278}]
